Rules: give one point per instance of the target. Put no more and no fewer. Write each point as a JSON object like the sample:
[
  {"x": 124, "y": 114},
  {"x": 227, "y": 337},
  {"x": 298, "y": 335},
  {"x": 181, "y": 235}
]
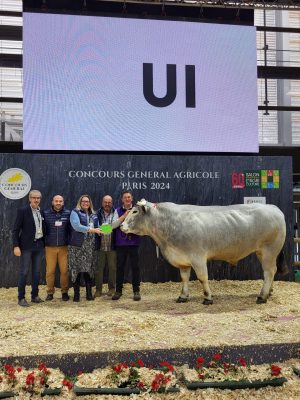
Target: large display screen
[{"x": 121, "y": 84}]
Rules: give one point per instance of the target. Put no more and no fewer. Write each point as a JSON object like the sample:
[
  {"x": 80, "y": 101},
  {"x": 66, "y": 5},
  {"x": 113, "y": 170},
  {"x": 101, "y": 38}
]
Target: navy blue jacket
[
  {"x": 57, "y": 235},
  {"x": 77, "y": 238},
  {"x": 24, "y": 228}
]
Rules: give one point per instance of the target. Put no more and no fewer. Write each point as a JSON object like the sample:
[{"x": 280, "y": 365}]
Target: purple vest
[{"x": 123, "y": 239}]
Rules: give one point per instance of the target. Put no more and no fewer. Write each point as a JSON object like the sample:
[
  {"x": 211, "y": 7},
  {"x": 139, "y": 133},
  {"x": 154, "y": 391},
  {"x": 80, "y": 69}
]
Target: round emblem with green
[{"x": 106, "y": 229}]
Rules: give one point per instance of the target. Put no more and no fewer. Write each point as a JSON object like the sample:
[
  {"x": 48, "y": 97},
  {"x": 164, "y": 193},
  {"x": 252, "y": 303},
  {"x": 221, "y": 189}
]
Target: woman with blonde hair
[{"x": 84, "y": 241}]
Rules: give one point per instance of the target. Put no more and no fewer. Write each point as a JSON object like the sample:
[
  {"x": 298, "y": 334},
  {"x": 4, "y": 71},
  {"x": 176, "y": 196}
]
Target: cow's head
[{"x": 135, "y": 222}]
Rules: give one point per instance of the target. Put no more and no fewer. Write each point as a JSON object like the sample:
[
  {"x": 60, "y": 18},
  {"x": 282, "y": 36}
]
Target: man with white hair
[{"x": 28, "y": 242}]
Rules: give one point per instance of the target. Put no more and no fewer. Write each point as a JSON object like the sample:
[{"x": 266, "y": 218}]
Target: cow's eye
[{"x": 134, "y": 212}]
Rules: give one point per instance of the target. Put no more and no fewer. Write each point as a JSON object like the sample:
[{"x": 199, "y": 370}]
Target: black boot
[
  {"x": 88, "y": 286},
  {"x": 76, "y": 287}
]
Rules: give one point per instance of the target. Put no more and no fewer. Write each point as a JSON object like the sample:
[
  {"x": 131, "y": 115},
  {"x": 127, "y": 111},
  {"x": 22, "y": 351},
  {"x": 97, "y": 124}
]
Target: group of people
[{"x": 75, "y": 241}]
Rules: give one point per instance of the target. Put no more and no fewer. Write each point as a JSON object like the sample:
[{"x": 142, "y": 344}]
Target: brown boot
[{"x": 97, "y": 293}]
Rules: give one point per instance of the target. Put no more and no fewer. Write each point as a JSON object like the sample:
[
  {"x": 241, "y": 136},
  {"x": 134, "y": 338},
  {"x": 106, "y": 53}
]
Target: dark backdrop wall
[{"x": 203, "y": 180}]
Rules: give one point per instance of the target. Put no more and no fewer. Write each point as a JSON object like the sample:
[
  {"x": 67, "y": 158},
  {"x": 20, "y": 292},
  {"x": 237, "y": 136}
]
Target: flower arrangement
[
  {"x": 217, "y": 370},
  {"x": 134, "y": 375},
  {"x": 36, "y": 381},
  {"x": 137, "y": 377}
]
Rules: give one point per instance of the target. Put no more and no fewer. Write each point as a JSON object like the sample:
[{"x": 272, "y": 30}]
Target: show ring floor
[{"x": 92, "y": 334}]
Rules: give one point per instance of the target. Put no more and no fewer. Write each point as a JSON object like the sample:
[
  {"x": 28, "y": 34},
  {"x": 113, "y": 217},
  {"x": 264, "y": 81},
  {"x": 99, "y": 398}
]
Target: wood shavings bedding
[{"x": 157, "y": 321}]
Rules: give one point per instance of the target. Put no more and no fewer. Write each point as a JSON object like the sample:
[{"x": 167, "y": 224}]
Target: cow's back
[{"x": 227, "y": 233}]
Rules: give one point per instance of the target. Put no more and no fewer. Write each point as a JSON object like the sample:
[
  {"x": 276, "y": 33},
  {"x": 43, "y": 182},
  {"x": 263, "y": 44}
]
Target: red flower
[
  {"x": 9, "y": 369},
  {"x": 275, "y": 370},
  {"x": 67, "y": 383},
  {"x": 217, "y": 357},
  {"x": 242, "y": 362},
  {"x": 226, "y": 367},
  {"x": 167, "y": 365},
  {"x": 42, "y": 381},
  {"x": 42, "y": 366},
  {"x": 201, "y": 376},
  {"x": 30, "y": 378},
  {"x": 140, "y": 363},
  {"x": 155, "y": 385},
  {"x": 140, "y": 385},
  {"x": 159, "y": 381},
  {"x": 200, "y": 360},
  {"x": 19, "y": 369}
]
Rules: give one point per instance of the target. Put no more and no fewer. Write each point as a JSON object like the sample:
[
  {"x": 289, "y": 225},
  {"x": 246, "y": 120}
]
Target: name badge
[{"x": 58, "y": 223}]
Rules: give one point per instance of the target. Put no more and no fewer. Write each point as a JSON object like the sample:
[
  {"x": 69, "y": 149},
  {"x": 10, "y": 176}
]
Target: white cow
[{"x": 189, "y": 235}]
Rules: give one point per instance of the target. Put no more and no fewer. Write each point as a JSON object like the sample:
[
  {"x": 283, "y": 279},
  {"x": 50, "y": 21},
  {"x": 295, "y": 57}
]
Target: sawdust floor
[{"x": 156, "y": 322}]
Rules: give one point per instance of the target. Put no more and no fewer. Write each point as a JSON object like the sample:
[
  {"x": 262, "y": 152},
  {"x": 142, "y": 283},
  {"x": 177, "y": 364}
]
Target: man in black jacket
[
  {"x": 57, "y": 223},
  {"x": 28, "y": 242}
]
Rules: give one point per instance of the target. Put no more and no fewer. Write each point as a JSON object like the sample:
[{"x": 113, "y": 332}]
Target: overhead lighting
[
  {"x": 11, "y": 47},
  {"x": 11, "y": 5},
  {"x": 12, "y": 21}
]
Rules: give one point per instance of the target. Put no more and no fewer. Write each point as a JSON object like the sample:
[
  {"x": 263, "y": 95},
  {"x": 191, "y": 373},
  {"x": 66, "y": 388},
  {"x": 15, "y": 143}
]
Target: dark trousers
[
  {"x": 33, "y": 257},
  {"x": 122, "y": 253}
]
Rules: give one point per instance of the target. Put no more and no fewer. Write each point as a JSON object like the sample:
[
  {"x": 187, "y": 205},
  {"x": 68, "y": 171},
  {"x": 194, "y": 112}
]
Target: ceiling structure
[
  {"x": 269, "y": 4},
  {"x": 240, "y": 4}
]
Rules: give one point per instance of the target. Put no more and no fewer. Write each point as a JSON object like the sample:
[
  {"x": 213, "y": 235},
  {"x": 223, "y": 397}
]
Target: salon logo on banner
[
  {"x": 15, "y": 183},
  {"x": 262, "y": 179}
]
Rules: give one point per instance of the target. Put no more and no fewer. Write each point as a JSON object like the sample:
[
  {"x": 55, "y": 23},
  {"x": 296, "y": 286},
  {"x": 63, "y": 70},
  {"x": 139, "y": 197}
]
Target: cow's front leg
[{"x": 185, "y": 276}]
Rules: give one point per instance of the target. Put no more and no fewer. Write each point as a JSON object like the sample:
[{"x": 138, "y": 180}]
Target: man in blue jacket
[
  {"x": 28, "y": 242},
  {"x": 57, "y": 224}
]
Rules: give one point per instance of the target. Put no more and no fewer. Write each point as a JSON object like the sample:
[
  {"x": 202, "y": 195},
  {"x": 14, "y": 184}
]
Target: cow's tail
[{"x": 281, "y": 264}]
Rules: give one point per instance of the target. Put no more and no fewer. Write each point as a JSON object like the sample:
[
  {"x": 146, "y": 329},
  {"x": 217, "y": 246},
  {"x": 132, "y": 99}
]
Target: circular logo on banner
[{"x": 15, "y": 183}]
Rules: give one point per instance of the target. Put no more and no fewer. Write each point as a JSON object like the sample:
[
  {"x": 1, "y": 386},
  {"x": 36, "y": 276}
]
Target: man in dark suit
[{"x": 28, "y": 242}]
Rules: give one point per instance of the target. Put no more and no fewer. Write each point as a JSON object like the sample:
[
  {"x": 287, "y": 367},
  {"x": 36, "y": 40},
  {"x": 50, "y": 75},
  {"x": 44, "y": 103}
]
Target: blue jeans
[{"x": 33, "y": 256}]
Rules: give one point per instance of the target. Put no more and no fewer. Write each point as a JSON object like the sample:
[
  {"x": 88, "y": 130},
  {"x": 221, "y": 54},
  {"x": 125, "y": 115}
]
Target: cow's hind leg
[
  {"x": 202, "y": 274},
  {"x": 268, "y": 261},
  {"x": 185, "y": 277}
]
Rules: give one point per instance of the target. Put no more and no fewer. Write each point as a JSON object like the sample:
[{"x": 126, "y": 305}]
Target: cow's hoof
[
  {"x": 260, "y": 300},
  {"x": 207, "y": 302},
  {"x": 182, "y": 300}
]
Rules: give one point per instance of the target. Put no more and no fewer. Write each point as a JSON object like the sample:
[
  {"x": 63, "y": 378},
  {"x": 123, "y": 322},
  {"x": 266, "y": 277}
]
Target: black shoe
[
  {"x": 76, "y": 297},
  {"x": 116, "y": 296},
  {"x": 37, "y": 299},
  {"x": 65, "y": 297},
  {"x": 89, "y": 295},
  {"x": 76, "y": 288},
  {"x": 136, "y": 296},
  {"x": 49, "y": 297},
  {"x": 23, "y": 303}
]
